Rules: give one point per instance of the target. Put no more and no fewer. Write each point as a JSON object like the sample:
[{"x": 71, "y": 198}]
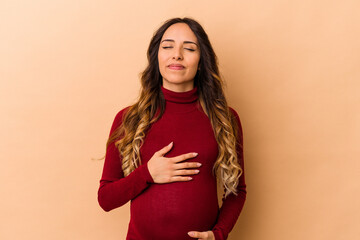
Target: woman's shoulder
[
  {"x": 119, "y": 118},
  {"x": 237, "y": 122},
  {"x": 234, "y": 112},
  {"x": 121, "y": 113},
  {"x": 236, "y": 116}
]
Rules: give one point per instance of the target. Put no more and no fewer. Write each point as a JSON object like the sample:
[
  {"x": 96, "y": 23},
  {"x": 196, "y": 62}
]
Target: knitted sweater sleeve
[
  {"x": 233, "y": 204},
  {"x": 116, "y": 190}
]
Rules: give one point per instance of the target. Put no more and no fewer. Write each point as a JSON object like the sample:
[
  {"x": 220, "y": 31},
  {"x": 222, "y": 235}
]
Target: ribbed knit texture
[{"x": 171, "y": 210}]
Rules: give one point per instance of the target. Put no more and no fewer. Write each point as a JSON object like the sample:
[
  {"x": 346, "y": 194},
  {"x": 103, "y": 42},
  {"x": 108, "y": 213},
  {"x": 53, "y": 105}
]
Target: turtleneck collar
[
  {"x": 180, "y": 97},
  {"x": 181, "y": 102}
]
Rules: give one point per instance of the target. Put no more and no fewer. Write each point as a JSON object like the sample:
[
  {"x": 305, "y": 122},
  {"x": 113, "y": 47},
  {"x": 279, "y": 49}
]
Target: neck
[{"x": 183, "y": 87}]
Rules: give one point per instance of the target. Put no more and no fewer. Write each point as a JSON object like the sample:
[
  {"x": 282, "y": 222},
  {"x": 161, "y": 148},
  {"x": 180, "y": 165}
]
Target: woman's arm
[
  {"x": 115, "y": 190},
  {"x": 232, "y": 205}
]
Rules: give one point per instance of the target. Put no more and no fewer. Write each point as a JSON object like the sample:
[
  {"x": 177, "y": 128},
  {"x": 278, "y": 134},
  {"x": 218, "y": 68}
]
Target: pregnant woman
[{"x": 167, "y": 152}]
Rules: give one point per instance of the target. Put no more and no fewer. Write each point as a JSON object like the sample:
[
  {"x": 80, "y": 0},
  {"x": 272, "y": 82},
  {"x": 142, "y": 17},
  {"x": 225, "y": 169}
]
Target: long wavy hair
[{"x": 150, "y": 106}]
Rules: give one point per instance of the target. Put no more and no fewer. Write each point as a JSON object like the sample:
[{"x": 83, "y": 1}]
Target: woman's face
[{"x": 178, "y": 57}]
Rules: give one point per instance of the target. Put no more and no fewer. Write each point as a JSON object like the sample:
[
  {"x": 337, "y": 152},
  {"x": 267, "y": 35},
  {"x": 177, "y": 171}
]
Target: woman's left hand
[{"x": 209, "y": 235}]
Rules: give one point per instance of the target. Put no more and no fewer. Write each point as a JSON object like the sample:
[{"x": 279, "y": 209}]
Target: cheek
[
  {"x": 161, "y": 59},
  {"x": 162, "y": 63},
  {"x": 195, "y": 62}
]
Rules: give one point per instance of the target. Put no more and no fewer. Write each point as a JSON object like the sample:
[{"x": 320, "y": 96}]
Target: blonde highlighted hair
[{"x": 150, "y": 106}]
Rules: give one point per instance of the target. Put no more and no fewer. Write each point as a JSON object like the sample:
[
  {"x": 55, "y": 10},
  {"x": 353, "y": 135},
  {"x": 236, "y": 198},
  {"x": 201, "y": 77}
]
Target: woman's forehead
[{"x": 179, "y": 32}]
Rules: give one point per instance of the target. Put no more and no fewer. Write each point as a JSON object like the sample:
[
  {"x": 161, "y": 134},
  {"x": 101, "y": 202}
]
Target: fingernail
[
  {"x": 199, "y": 164},
  {"x": 170, "y": 143},
  {"x": 195, "y": 154},
  {"x": 191, "y": 234}
]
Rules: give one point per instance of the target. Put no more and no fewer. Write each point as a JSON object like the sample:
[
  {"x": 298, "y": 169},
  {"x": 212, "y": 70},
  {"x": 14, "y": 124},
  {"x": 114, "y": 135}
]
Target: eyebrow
[{"x": 171, "y": 40}]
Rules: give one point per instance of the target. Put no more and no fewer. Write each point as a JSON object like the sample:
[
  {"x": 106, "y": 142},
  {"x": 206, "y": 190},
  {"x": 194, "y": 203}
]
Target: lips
[{"x": 176, "y": 66}]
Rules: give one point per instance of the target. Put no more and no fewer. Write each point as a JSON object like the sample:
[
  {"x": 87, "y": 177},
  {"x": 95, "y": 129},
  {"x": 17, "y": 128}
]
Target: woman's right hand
[{"x": 165, "y": 170}]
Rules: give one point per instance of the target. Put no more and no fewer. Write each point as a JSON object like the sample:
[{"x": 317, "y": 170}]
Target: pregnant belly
[{"x": 169, "y": 211}]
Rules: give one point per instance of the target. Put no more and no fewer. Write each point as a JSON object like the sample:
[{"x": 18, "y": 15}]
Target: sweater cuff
[
  {"x": 218, "y": 234},
  {"x": 144, "y": 170}
]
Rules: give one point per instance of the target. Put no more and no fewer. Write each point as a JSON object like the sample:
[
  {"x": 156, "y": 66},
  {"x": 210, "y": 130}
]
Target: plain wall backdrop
[{"x": 292, "y": 74}]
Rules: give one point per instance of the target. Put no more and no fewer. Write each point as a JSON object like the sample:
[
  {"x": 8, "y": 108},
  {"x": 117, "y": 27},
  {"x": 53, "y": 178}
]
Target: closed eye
[{"x": 189, "y": 49}]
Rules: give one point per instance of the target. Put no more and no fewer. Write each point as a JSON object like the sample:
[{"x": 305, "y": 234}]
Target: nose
[{"x": 177, "y": 53}]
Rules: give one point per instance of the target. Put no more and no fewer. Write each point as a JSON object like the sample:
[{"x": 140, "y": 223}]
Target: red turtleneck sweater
[{"x": 171, "y": 210}]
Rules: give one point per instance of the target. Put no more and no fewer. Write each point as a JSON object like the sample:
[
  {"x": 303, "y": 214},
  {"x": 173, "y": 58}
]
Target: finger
[
  {"x": 195, "y": 234},
  {"x": 183, "y": 157},
  {"x": 165, "y": 149},
  {"x": 180, "y": 179},
  {"x": 186, "y": 172},
  {"x": 187, "y": 165}
]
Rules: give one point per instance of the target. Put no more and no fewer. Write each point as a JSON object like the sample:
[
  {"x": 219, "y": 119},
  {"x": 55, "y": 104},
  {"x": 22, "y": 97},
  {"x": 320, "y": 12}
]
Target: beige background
[{"x": 292, "y": 73}]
